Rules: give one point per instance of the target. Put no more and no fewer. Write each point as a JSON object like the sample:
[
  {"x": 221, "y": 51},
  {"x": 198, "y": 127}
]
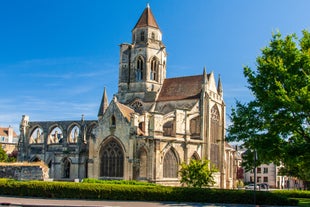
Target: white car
[{"x": 251, "y": 187}]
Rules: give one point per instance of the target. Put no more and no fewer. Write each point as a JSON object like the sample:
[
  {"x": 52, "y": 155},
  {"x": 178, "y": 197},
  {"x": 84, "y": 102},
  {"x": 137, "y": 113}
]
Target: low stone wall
[{"x": 24, "y": 171}]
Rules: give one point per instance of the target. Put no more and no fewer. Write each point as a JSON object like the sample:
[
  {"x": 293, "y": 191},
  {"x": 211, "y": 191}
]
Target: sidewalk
[{"x": 40, "y": 202}]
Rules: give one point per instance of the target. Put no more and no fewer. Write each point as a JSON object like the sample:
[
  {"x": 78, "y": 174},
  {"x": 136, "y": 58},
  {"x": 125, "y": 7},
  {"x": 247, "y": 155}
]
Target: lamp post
[{"x": 255, "y": 176}]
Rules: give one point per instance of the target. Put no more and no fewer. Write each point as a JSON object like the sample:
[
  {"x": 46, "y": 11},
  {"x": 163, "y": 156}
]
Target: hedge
[
  {"x": 294, "y": 193},
  {"x": 138, "y": 192}
]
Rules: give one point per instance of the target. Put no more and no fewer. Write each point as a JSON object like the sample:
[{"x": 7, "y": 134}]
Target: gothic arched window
[
  {"x": 74, "y": 134},
  {"x": 37, "y": 136},
  {"x": 139, "y": 72},
  {"x": 112, "y": 160},
  {"x": 170, "y": 165},
  {"x": 55, "y": 136},
  {"x": 154, "y": 69}
]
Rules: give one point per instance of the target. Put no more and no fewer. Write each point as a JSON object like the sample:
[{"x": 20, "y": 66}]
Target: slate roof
[
  {"x": 147, "y": 19},
  {"x": 188, "y": 87}
]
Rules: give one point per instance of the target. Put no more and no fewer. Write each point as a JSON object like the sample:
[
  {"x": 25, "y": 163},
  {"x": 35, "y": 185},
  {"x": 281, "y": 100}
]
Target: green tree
[
  {"x": 277, "y": 122},
  {"x": 3, "y": 155},
  {"x": 197, "y": 173}
]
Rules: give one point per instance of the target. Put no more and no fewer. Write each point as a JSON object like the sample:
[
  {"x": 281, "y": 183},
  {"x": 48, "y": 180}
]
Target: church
[{"x": 151, "y": 125}]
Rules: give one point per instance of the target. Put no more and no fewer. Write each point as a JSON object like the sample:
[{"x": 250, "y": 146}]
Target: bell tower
[{"x": 142, "y": 67}]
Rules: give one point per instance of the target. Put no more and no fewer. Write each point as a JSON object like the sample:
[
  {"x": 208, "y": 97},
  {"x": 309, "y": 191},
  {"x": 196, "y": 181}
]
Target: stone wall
[{"x": 24, "y": 171}]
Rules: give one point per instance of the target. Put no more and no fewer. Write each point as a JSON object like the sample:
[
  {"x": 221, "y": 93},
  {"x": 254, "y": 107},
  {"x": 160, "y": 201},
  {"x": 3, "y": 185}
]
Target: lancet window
[
  {"x": 170, "y": 165},
  {"x": 139, "y": 71},
  {"x": 154, "y": 69},
  {"x": 74, "y": 134}
]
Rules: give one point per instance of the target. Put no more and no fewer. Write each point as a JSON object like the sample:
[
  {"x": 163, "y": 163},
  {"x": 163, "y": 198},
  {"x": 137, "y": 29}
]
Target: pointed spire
[
  {"x": 219, "y": 86},
  {"x": 205, "y": 76},
  {"x": 104, "y": 103},
  {"x": 147, "y": 19}
]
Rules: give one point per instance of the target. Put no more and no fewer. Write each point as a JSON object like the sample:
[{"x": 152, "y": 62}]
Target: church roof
[
  {"x": 147, "y": 19},
  {"x": 125, "y": 110},
  {"x": 188, "y": 87},
  {"x": 4, "y": 131}
]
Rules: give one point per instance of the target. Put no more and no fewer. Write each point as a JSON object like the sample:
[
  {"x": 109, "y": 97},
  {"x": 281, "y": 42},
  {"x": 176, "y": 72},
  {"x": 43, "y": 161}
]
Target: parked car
[
  {"x": 251, "y": 186},
  {"x": 264, "y": 186}
]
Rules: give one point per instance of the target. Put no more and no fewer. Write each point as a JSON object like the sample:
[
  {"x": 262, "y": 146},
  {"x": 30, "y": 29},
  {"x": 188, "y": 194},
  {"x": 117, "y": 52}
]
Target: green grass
[{"x": 304, "y": 202}]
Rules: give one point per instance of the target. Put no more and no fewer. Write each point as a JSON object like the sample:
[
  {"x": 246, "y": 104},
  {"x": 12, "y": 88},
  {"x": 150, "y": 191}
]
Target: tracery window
[
  {"x": 215, "y": 136},
  {"x": 137, "y": 106},
  {"x": 112, "y": 160},
  {"x": 154, "y": 69},
  {"x": 170, "y": 165},
  {"x": 139, "y": 71}
]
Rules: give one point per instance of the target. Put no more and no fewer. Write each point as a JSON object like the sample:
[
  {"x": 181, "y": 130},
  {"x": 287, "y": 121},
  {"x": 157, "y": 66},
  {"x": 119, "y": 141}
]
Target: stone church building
[{"x": 150, "y": 127}]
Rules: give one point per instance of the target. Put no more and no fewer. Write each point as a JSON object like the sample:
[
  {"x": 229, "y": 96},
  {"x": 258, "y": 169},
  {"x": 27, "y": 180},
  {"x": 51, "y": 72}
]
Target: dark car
[{"x": 263, "y": 186}]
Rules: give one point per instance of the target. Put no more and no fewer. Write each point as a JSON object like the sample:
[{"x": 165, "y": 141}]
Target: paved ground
[{"x": 40, "y": 202}]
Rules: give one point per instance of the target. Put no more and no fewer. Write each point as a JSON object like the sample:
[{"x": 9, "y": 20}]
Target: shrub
[{"x": 138, "y": 192}]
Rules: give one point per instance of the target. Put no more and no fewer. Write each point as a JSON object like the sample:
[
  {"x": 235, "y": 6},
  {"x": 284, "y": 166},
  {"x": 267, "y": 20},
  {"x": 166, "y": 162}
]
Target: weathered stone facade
[
  {"x": 24, "y": 171},
  {"x": 151, "y": 126}
]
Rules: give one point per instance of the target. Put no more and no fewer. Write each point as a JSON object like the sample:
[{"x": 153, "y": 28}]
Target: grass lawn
[{"x": 304, "y": 202}]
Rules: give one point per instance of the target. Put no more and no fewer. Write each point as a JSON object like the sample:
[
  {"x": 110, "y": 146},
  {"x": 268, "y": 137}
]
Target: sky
[{"x": 57, "y": 56}]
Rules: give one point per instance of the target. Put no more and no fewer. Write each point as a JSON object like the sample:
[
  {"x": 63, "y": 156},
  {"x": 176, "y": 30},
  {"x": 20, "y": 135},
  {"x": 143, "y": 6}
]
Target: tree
[
  {"x": 3, "y": 155},
  {"x": 277, "y": 122},
  {"x": 197, "y": 174}
]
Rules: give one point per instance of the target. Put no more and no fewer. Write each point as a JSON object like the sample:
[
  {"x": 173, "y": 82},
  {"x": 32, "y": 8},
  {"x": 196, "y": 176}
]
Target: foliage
[
  {"x": 71, "y": 190},
  {"x": 277, "y": 122},
  {"x": 239, "y": 184},
  {"x": 240, "y": 173},
  {"x": 197, "y": 174},
  {"x": 123, "y": 182},
  {"x": 3, "y": 155},
  {"x": 12, "y": 157},
  {"x": 294, "y": 193}
]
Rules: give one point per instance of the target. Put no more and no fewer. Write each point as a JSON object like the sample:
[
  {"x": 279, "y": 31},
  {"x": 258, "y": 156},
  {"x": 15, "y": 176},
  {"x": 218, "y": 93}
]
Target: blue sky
[{"x": 57, "y": 56}]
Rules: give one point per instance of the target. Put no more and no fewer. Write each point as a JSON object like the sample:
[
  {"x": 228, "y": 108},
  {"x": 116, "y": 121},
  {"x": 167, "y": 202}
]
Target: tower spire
[
  {"x": 219, "y": 86},
  {"x": 205, "y": 77},
  {"x": 147, "y": 19},
  {"x": 104, "y": 103}
]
